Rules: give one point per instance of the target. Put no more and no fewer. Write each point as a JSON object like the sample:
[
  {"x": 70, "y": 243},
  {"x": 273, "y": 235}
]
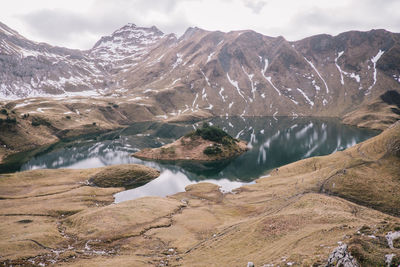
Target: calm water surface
[{"x": 272, "y": 142}]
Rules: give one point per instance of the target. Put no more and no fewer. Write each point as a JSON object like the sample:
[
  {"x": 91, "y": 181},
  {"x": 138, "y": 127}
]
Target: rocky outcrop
[
  {"x": 391, "y": 236},
  {"x": 340, "y": 257}
]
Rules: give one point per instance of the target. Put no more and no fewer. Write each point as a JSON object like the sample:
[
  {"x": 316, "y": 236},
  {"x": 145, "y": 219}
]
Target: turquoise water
[{"x": 273, "y": 142}]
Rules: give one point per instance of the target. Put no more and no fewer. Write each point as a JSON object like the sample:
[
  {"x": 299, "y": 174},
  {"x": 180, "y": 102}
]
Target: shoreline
[
  {"x": 287, "y": 209},
  {"x": 6, "y": 157}
]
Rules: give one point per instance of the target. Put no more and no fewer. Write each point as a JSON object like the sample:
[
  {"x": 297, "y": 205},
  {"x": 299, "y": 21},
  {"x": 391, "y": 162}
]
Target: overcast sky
[{"x": 80, "y": 23}]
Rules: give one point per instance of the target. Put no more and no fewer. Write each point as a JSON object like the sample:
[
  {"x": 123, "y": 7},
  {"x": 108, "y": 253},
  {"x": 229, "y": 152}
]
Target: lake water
[{"x": 273, "y": 142}]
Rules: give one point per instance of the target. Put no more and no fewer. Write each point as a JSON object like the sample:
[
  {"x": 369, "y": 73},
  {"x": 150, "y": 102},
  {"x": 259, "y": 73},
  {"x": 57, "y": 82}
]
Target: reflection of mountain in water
[
  {"x": 273, "y": 142},
  {"x": 110, "y": 148}
]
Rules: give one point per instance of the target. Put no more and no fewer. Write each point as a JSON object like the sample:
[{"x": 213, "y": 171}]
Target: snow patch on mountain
[
  {"x": 210, "y": 57},
  {"x": 374, "y": 60},
  {"x": 315, "y": 69},
  {"x": 337, "y": 66},
  {"x": 178, "y": 61},
  {"x": 342, "y": 72},
  {"x": 128, "y": 41},
  {"x": 268, "y": 78},
  {"x": 205, "y": 77},
  {"x": 306, "y": 97},
  {"x": 236, "y": 85},
  {"x": 253, "y": 88},
  {"x": 220, "y": 93}
]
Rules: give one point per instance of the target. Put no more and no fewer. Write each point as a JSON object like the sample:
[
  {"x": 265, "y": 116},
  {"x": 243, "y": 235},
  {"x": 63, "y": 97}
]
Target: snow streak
[
  {"x": 312, "y": 65},
  {"x": 374, "y": 60},
  {"x": 268, "y": 78}
]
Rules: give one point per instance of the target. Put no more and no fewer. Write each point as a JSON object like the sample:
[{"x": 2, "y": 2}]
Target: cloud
[
  {"x": 57, "y": 25},
  {"x": 350, "y": 16},
  {"x": 63, "y": 27},
  {"x": 74, "y": 29},
  {"x": 80, "y": 26},
  {"x": 255, "y": 6}
]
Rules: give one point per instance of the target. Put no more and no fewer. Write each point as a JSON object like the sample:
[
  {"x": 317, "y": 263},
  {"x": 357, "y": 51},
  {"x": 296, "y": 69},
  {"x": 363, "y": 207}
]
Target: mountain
[
  {"x": 30, "y": 69},
  {"x": 235, "y": 73}
]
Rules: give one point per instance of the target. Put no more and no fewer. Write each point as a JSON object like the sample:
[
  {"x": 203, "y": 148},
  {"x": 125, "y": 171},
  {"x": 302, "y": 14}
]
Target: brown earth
[
  {"x": 296, "y": 215},
  {"x": 189, "y": 148}
]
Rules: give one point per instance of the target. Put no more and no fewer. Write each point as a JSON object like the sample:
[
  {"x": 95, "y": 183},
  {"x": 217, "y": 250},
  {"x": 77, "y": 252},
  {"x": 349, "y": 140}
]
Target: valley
[
  {"x": 137, "y": 74},
  {"x": 317, "y": 186},
  {"x": 299, "y": 214}
]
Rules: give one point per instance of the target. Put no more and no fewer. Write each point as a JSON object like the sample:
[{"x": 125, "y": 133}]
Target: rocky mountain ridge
[{"x": 236, "y": 73}]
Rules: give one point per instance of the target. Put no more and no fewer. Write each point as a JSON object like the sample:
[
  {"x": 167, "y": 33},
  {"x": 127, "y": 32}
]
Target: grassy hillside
[{"x": 296, "y": 215}]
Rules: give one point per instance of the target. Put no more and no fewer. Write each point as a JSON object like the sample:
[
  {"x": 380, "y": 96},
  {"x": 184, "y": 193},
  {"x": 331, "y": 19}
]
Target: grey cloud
[
  {"x": 68, "y": 28},
  {"x": 255, "y": 5},
  {"x": 54, "y": 23},
  {"x": 71, "y": 29},
  {"x": 141, "y": 12},
  {"x": 137, "y": 5},
  {"x": 76, "y": 30},
  {"x": 354, "y": 16}
]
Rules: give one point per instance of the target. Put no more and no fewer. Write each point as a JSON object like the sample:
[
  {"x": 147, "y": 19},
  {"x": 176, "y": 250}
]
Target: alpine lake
[{"x": 272, "y": 142}]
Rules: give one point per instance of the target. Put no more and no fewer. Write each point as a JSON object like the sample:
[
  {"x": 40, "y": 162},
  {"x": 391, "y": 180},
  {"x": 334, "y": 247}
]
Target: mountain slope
[
  {"x": 294, "y": 217},
  {"x": 30, "y": 69},
  {"x": 235, "y": 73},
  {"x": 246, "y": 73}
]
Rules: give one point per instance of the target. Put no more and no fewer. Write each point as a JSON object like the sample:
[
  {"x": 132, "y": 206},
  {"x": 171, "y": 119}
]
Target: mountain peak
[
  {"x": 128, "y": 41},
  {"x": 132, "y": 25},
  {"x": 190, "y": 32},
  {"x": 253, "y": 70}
]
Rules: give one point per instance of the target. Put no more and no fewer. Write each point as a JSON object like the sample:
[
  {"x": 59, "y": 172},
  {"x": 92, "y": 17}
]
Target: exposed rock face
[
  {"x": 125, "y": 47},
  {"x": 341, "y": 257},
  {"x": 234, "y": 73},
  {"x": 391, "y": 236}
]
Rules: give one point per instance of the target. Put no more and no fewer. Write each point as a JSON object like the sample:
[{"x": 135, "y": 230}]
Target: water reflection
[{"x": 272, "y": 143}]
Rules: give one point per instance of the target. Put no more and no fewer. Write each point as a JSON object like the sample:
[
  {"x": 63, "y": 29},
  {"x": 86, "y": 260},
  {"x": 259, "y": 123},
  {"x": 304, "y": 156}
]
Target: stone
[{"x": 341, "y": 257}]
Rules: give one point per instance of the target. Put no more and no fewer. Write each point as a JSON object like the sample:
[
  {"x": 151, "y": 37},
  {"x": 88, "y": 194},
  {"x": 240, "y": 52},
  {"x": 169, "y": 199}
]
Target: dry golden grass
[
  {"x": 186, "y": 148},
  {"x": 128, "y": 176},
  {"x": 373, "y": 115},
  {"x": 297, "y": 215}
]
